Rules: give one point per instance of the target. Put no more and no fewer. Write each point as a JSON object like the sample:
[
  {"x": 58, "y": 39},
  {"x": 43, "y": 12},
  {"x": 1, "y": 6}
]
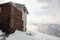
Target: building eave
[{"x": 17, "y": 4}]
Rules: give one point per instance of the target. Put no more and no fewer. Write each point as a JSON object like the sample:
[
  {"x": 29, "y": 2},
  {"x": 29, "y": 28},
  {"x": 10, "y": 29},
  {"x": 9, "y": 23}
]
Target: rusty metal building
[{"x": 12, "y": 17}]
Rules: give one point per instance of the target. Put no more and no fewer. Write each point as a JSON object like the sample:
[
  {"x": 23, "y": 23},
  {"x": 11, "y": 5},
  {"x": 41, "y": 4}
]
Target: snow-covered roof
[{"x": 17, "y": 5}]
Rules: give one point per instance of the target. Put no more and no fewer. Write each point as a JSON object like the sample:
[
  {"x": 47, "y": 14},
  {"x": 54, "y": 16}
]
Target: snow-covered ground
[
  {"x": 18, "y": 35},
  {"x": 40, "y": 36}
]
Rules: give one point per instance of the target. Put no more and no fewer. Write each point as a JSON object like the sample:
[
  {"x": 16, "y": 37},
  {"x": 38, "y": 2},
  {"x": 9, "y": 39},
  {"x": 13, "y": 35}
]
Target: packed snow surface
[{"x": 18, "y": 35}]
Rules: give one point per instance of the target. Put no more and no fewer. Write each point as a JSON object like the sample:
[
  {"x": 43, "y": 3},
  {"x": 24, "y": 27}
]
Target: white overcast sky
[{"x": 45, "y": 11}]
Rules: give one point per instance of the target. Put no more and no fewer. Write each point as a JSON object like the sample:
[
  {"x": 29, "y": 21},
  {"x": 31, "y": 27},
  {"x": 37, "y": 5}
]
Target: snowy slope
[
  {"x": 0, "y": 32},
  {"x": 18, "y": 35},
  {"x": 40, "y": 36}
]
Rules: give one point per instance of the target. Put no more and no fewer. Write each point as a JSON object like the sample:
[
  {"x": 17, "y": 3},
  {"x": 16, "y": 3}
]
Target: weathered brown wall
[
  {"x": 12, "y": 18},
  {"x": 5, "y": 17},
  {"x": 15, "y": 19},
  {"x": 5, "y": 10}
]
